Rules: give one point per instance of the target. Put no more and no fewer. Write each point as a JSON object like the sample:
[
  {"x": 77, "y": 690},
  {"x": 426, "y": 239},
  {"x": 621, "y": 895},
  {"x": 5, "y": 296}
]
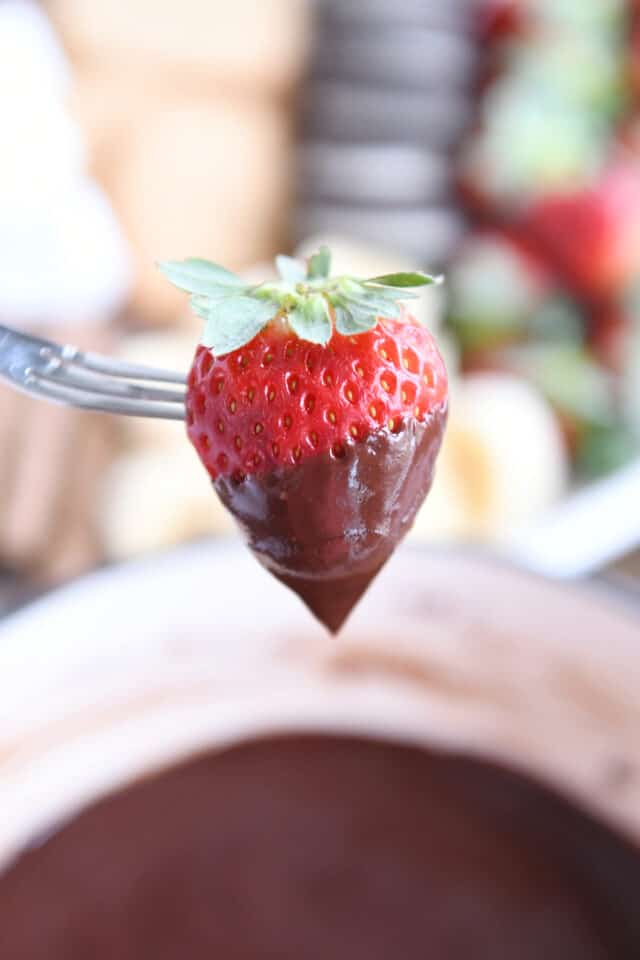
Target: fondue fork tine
[{"x": 68, "y": 375}]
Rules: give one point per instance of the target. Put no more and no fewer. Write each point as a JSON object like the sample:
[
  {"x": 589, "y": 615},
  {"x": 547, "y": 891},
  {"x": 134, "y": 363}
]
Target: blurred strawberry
[
  {"x": 606, "y": 18},
  {"x": 529, "y": 144},
  {"x": 580, "y": 390},
  {"x": 583, "y": 71},
  {"x": 634, "y": 56},
  {"x": 628, "y": 135},
  {"x": 505, "y": 19},
  {"x": 496, "y": 285},
  {"x": 609, "y": 327},
  {"x": 601, "y": 449},
  {"x": 593, "y": 235},
  {"x": 500, "y": 19}
]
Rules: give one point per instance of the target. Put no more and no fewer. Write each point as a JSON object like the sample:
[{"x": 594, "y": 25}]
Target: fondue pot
[{"x": 191, "y": 767}]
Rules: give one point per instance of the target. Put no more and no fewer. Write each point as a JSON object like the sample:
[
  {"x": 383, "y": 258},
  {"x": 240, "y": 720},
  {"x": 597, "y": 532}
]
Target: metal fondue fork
[{"x": 65, "y": 374}]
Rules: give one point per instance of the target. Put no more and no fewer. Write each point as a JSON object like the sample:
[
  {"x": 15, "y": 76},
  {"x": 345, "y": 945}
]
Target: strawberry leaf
[
  {"x": 291, "y": 270},
  {"x": 319, "y": 265},
  {"x": 348, "y": 325},
  {"x": 310, "y": 320},
  {"x": 304, "y": 298},
  {"x": 415, "y": 279},
  {"x": 200, "y": 305},
  {"x": 389, "y": 293},
  {"x": 365, "y": 318},
  {"x": 376, "y": 306},
  {"x": 233, "y": 322},
  {"x": 201, "y": 276}
]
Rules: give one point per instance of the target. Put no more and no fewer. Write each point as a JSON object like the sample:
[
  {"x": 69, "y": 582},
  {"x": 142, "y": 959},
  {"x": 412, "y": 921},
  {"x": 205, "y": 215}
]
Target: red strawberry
[
  {"x": 321, "y": 428},
  {"x": 500, "y": 19},
  {"x": 609, "y": 334},
  {"x": 634, "y": 54},
  {"x": 496, "y": 285},
  {"x": 593, "y": 236}
]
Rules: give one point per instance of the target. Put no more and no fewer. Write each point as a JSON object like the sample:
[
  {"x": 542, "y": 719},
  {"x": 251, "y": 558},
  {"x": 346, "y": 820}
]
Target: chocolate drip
[{"x": 326, "y": 526}]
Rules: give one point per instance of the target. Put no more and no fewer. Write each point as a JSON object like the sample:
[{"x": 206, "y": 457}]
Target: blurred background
[{"x": 496, "y": 140}]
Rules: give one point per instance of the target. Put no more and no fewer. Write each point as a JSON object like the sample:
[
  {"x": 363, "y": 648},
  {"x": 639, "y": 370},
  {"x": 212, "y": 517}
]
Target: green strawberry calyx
[{"x": 306, "y": 297}]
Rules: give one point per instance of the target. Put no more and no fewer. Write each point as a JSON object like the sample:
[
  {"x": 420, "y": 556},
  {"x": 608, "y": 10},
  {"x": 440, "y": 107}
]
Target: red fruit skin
[
  {"x": 472, "y": 197},
  {"x": 280, "y": 400},
  {"x": 609, "y": 330},
  {"x": 634, "y": 54},
  {"x": 500, "y": 20},
  {"x": 593, "y": 236},
  {"x": 628, "y": 134}
]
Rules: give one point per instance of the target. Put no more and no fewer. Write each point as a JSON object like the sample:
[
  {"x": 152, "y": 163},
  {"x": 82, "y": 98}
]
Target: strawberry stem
[{"x": 306, "y": 297}]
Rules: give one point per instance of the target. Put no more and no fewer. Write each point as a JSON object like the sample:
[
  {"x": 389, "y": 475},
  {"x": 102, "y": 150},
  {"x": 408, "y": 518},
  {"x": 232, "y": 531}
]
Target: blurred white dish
[{"x": 64, "y": 256}]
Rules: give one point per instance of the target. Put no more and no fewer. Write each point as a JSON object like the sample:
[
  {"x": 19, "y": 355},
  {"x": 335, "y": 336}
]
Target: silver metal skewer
[{"x": 65, "y": 374}]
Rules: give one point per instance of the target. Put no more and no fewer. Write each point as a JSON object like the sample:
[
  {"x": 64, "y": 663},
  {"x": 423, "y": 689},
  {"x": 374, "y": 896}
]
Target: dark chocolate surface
[
  {"x": 326, "y": 527},
  {"x": 326, "y": 849}
]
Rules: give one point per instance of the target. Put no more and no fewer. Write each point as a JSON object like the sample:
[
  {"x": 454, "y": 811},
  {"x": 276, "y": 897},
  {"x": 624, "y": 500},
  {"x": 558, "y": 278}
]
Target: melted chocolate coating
[
  {"x": 324, "y": 847},
  {"x": 327, "y": 526}
]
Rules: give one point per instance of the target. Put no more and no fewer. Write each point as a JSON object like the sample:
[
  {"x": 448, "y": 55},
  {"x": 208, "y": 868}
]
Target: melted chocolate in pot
[
  {"x": 326, "y": 526},
  {"x": 326, "y": 849}
]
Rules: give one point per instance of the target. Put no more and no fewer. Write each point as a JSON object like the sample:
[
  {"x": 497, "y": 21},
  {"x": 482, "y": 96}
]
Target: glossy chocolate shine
[
  {"x": 317, "y": 848},
  {"x": 326, "y": 526}
]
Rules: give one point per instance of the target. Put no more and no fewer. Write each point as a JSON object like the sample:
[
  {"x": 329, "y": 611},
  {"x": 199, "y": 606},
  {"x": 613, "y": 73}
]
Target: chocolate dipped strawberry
[
  {"x": 317, "y": 405},
  {"x": 592, "y": 235}
]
